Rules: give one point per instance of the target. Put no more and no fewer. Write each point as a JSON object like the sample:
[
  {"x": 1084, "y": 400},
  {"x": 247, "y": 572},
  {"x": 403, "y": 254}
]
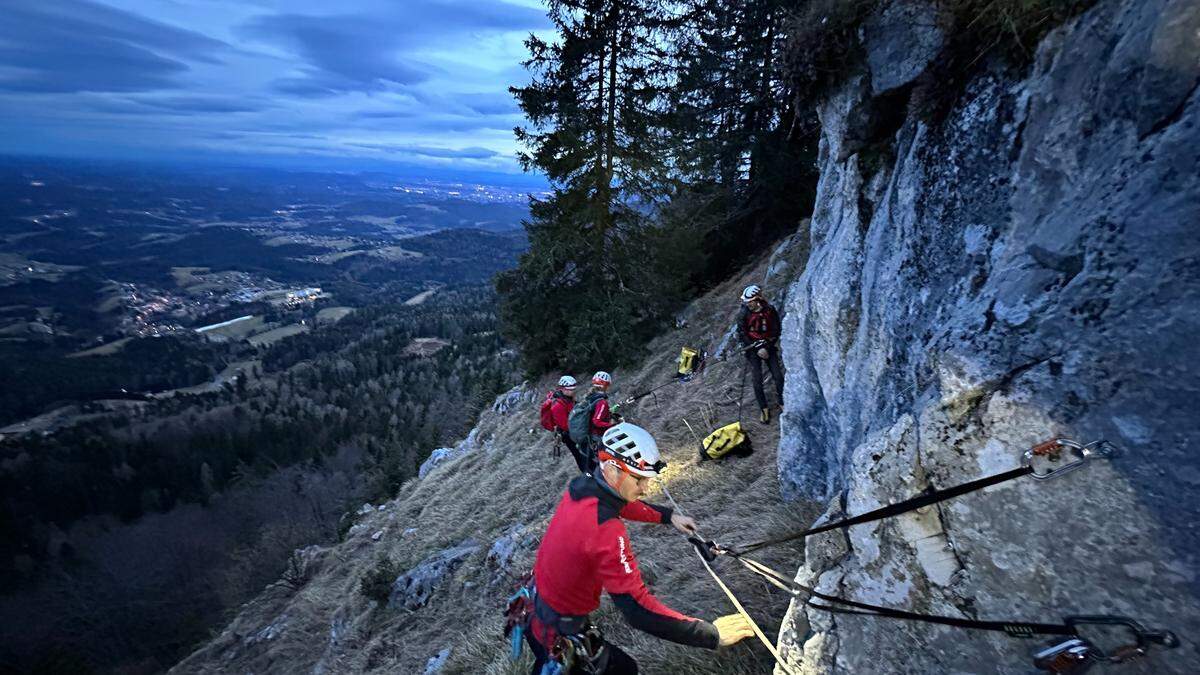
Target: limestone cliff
[{"x": 1024, "y": 266}]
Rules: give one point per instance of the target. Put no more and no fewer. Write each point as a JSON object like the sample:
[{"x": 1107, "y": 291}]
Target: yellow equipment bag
[
  {"x": 728, "y": 439},
  {"x": 687, "y": 361}
]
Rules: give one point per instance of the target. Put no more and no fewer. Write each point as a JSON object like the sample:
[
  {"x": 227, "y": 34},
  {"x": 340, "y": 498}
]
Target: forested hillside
[{"x": 230, "y": 482}]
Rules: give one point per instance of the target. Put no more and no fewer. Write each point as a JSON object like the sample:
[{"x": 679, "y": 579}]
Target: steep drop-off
[
  {"x": 1022, "y": 266},
  {"x": 459, "y": 535}
]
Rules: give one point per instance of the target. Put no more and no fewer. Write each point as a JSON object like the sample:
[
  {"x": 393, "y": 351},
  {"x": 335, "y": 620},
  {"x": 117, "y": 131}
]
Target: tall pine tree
[
  {"x": 747, "y": 164},
  {"x": 592, "y": 284}
]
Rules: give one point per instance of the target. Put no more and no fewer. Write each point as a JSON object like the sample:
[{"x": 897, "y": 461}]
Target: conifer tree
[
  {"x": 592, "y": 283},
  {"x": 747, "y": 164}
]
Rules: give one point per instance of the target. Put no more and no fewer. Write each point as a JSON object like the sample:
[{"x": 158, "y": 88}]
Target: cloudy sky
[{"x": 295, "y": 82}]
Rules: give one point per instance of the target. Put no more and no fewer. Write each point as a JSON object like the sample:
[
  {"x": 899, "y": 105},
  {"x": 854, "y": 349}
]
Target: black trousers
[
  {"x": 756, "y": 373},
  {"x": 581, "y": 458},
  {"x": 619, "y": 663}
]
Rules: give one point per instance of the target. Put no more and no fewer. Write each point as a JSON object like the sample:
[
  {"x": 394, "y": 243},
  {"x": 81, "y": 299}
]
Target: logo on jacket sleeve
[{"x": 624, "y": 558}]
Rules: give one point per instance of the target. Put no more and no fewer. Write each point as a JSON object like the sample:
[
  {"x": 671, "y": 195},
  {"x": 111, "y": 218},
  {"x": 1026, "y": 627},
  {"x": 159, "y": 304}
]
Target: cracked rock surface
[{"x": 1026, "y": 267}]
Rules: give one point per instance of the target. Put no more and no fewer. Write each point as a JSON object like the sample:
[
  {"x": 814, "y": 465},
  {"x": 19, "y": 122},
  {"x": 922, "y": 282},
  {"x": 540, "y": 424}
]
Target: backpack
[
  {"x": 729, "y": 439},
  {"x": 579, "y": 423},
  {"x": 547, "y": 411}
]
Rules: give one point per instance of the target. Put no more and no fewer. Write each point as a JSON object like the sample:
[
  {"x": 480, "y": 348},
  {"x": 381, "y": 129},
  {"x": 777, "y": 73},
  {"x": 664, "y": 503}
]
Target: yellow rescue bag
[
  {"x": 728, "y": 439},
  {"x": 687, "y": 361}
]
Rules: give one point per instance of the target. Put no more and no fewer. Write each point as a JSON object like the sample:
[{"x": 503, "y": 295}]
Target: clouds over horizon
[{"x": 424, "y": 81}]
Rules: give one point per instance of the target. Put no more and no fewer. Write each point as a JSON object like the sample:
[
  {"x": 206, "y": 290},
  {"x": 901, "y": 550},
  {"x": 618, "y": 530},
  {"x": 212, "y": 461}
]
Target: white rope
[
  {"x": 729, "y": 594},
  {"x": 742, "y": 610}
]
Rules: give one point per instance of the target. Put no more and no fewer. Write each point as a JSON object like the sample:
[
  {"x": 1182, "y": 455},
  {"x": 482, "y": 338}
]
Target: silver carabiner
[{"x": 1054, "y": 449}]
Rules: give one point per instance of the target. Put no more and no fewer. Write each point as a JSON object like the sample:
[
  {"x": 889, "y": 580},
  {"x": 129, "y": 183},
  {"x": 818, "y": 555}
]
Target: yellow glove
[{"x": 733, "y": 628}]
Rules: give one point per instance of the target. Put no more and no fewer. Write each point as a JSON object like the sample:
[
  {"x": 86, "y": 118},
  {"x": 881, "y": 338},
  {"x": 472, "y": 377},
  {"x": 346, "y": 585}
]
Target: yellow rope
[{"x": 742, "y": 610}]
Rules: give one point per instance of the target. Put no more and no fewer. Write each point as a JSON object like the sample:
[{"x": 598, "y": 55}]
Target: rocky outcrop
[
  {"x": 501, "y": 554},
  {"x": 442, "y": 455},
  {"x": 1026, "y": 266},
  {"x": 514, "y": 399},
  {"x": 413, "y": 589}
]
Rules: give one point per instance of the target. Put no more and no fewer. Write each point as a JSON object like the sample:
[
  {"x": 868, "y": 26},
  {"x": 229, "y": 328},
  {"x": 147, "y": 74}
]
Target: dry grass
[
  {"x": 482, "y": 494},
  {"x": 276, "y": 334},
  {"x": 105, "y": 349},
  {"x": 420, "y": 297},
  {"x": 187, "y": 276},
  {"x": 425, "y": 346},
  {"x": 333, "y": 314}
]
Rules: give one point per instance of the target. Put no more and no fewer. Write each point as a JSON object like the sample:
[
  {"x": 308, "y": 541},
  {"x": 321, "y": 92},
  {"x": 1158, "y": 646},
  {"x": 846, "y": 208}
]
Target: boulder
[
  {"x": 436, "y": 663},
  {"x": 413, "y": 589},
  {"x": 901, "y": 41}
]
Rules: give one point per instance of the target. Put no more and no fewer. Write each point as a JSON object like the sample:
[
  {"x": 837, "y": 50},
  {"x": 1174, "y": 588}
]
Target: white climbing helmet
[
  {"x": 567, "y": 382},
  {"x": 751, "y": 292},
  {"x": 602, "y": 379},
  {"x": 633, "y": 449}
]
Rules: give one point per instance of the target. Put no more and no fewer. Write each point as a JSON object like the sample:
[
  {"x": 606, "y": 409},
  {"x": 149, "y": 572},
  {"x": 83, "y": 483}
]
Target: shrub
[{"x": 376, "y": 584}]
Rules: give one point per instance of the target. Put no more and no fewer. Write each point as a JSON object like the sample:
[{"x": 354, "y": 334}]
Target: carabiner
[
  {"x": 1054, "y": 450},
  {"x": 1069, "y": 657},
  {"x": 1143, "y": 637},
  {"x": 707, "y": 549}
]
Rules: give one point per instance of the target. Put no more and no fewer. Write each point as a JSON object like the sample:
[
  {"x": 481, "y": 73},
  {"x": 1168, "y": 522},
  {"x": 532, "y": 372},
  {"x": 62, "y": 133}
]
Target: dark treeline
[
  {"x": 680, "y": 138},
  {"x": 330, "y": 419}
]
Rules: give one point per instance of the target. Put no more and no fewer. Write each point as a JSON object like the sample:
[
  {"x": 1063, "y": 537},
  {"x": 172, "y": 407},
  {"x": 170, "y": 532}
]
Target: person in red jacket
[
  {"x": 603, "y": 417},
  {"x": 758, "y": 324},
  {"x": 586, "y": 550},
  {"x": 561, "y": 402},
  {"x": 600, "y": 416}
]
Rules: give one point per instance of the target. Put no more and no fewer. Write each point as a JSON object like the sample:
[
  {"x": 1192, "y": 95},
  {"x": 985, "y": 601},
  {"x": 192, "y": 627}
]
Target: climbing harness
[
  {"x": 1073, "y": 654},
  {"x": 577, "y": 645},
  {"x": 517, "y": 615},
  {"x": 579, "y": 652},
  {"x": 1052, "y": 451}
]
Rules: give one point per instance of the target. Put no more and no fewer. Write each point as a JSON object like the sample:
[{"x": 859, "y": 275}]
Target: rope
[
  {"x": 742, "y": 610},
  {"x": 796, "y": 589},
  {"x": 707, "y": 550},
  {"x": 742, "y": 389},
  {"x": 891, "y": 510},
  {"x": 729, "y": 594}
]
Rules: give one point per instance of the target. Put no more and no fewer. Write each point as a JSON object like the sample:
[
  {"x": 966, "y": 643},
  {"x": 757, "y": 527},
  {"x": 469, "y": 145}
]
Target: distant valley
[
  {"x": 205, "y": 370},
  {"x": 97, "y": 262}
]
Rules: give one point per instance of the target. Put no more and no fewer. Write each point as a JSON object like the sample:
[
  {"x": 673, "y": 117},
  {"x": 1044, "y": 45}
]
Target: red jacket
[
  {"x": 761, "y": 325},
  {"x": 586, "y": 549},
  {"x": 601, "y": 418},
  {"x": 560, "y": 410}
]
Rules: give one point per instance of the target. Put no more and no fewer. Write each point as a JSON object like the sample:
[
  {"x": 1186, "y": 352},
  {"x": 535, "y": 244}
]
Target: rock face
[{"x": 1026, "y": 267}]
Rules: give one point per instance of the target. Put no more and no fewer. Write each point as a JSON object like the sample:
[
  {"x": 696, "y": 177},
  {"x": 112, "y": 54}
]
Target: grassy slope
[{"x": 513, "y": 480}]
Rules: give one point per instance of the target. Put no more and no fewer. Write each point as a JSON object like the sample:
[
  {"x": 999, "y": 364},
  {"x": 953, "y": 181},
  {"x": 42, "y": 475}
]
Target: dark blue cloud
[
  {"x": 76, "y": 45},
  {"x": 412, "y": 82},
  {"x": 426, "y": 151},
  {"x": 377, "y": 51},
  {"x": 498, "y": 103},
  {"x": 183, "y": 105}
]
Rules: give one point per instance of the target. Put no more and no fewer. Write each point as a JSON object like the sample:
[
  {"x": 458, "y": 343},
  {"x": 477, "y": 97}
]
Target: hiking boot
[{"x": 765, "y": 416}]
